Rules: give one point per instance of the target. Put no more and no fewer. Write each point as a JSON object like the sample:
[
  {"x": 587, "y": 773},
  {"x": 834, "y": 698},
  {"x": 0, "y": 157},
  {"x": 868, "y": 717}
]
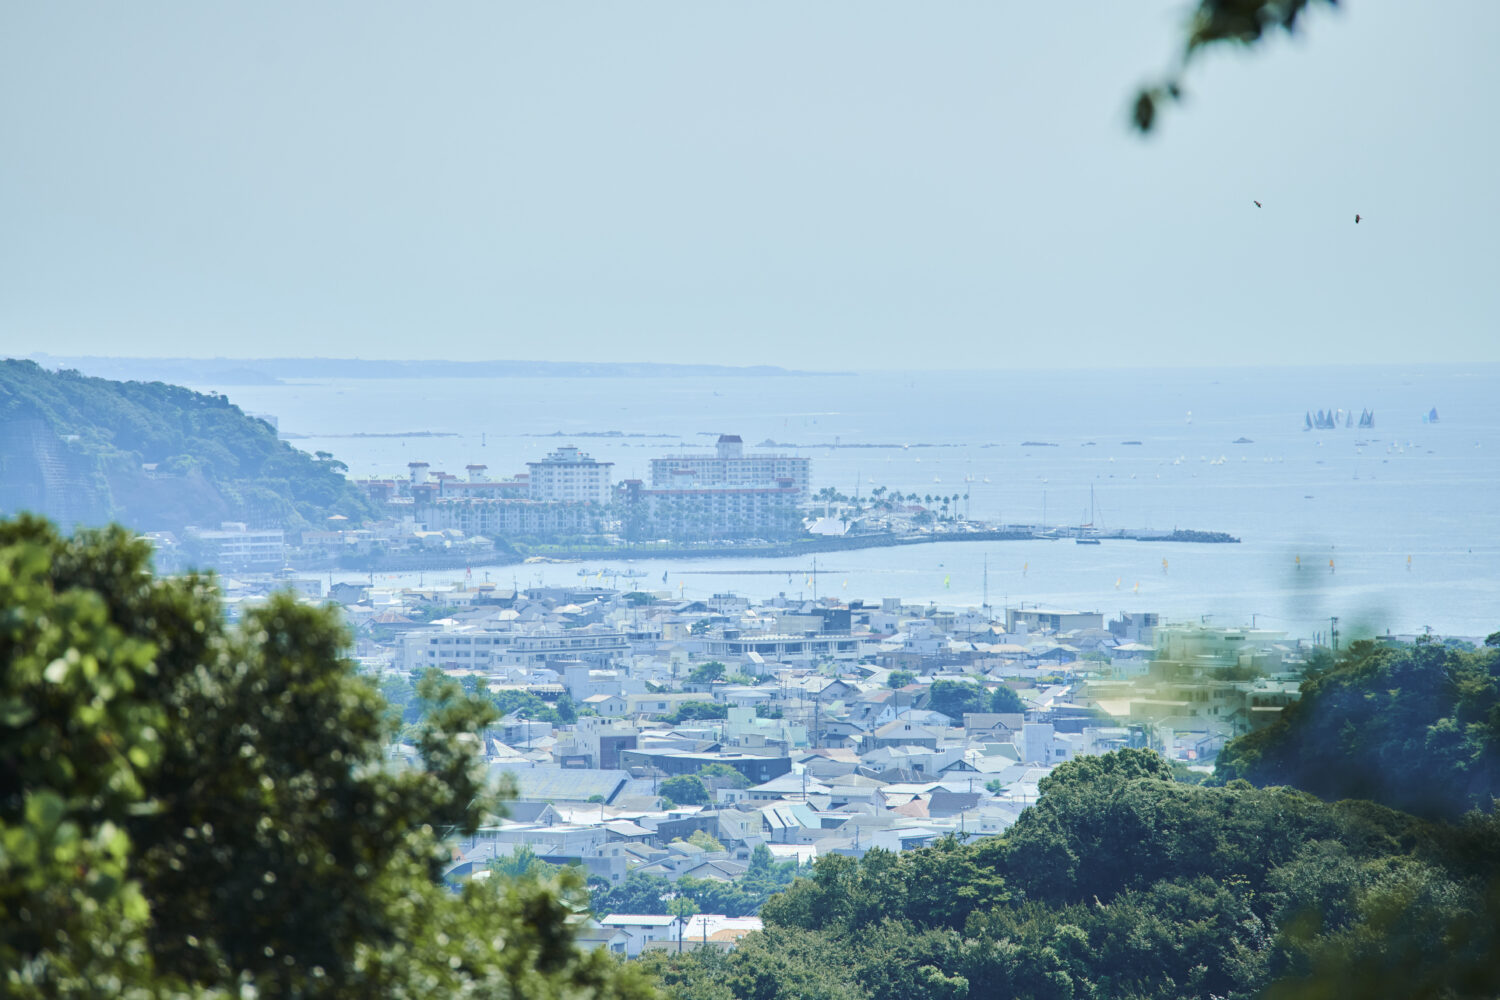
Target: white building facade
[
  {"x": 729, "y": 465},
  {"x": 569, "y": 474}
]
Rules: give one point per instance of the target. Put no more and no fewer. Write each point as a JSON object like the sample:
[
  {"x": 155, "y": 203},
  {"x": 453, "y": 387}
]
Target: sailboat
[{"x": 1085, "y": 529}]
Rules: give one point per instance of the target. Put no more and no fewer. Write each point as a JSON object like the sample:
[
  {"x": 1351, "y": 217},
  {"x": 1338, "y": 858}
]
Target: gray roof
[{"x": 561, "y": 784}]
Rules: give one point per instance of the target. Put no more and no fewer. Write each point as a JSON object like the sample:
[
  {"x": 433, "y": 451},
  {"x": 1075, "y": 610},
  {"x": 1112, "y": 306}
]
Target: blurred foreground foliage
[
  {"x": 189, "y": 809},
  {"x": 1217, "y": 23}
]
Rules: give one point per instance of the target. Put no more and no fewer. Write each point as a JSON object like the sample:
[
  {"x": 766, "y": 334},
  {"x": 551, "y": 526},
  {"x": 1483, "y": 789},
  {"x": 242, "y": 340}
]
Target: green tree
[
  {"x": 722, "y": 776},
  {"x": 705, "y": 840},
  {"x": 685, "y": 788},
  {"x": 189, "y": 808},
  {"x": 901, "y": 678},
  {"x": 1005, "y": 700},
  {"x": 639, "y": 893},
  {"x": 697, "y": 710},
  {"x": 954, "y": 698},
  {"x": 708, "y": 672},
  {"x": 522, "y": 863}
]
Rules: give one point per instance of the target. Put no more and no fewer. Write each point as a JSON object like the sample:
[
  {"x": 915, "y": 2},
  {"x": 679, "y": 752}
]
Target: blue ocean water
[{"x": 1395, "y": 527}]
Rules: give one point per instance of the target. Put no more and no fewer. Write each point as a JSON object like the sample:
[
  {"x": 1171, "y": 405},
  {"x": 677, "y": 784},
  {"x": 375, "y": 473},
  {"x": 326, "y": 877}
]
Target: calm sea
[{"x": 1395, "y": 527}]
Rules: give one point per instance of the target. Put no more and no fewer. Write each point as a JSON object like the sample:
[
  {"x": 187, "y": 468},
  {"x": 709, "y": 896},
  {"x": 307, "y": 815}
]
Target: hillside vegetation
[
  {"x": 1414, "y": 727},
  {"x": 153, "y": 456},
  {"x": 1121, "y": 883}
]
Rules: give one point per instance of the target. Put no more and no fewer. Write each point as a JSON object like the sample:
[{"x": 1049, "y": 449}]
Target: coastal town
[
  {"x": 568, "y": 505},
  {"x": 672, "y": 749}
]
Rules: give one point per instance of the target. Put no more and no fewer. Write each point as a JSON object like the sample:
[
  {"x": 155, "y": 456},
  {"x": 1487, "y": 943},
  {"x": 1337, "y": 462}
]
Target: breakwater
[{"x": 409, "y": 562}]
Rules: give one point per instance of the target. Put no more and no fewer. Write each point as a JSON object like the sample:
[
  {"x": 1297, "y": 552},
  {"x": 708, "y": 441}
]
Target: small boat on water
[{"x": 1085, "y": 531}]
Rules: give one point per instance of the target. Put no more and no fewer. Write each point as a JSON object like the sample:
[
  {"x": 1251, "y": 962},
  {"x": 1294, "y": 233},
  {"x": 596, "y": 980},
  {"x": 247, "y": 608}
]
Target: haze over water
[{"x": 1365, "y": 499}]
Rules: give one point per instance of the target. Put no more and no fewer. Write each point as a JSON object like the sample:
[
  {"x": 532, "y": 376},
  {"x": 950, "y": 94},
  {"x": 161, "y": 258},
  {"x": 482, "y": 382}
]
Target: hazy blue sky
[{"x": 815, "y": 184}]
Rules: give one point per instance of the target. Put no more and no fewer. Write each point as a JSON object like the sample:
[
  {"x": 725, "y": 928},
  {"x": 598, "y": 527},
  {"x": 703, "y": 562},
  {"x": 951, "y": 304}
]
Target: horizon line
[{"x": 766, "y": 369}]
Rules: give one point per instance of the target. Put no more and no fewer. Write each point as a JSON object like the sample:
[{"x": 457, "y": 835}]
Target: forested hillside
[
  {"x": 1123, "y": 883},
  {"x": 153, "y": 456},
  {"x": 1415, "y": 727}
]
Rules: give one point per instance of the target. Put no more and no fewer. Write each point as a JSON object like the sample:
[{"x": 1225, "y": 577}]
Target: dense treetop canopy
[
  {"x": 1121, "y": 882},
  {"x": 1414, "y": 727}
]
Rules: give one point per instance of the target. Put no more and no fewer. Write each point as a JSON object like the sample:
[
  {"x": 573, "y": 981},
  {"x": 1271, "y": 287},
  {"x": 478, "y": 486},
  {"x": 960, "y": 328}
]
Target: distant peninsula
[
  {"x": 154, "y": 457},
  {"x": 271, "y": 371}
]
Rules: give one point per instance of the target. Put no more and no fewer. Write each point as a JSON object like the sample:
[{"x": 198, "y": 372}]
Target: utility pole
[{"x": 986, "y": 586}]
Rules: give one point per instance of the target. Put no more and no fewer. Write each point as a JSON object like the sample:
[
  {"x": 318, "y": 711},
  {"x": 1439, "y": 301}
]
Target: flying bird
[
  {"x": 1257, "y": 204},
  {"x": 1356, "y": 218}
]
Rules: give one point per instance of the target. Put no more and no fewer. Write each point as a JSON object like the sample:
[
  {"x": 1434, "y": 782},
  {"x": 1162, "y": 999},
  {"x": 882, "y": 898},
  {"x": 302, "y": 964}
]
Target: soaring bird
[
  {"x": 1356, "y": 218},
  {"x": 1257, "y": 204}
]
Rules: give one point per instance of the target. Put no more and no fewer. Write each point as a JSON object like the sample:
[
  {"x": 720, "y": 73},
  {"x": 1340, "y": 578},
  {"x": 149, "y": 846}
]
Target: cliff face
[
  {"x": 40, "y": 472},
  {"x": 158, "y": 501}
]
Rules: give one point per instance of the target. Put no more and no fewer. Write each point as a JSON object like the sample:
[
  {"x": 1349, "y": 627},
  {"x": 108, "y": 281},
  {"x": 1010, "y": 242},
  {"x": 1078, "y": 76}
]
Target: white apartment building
[
  {"x": 569, "y": 474},
  {"x": 485, "y": 649},
  {"x": 729, "y": 465},
  {"x": 237, "y": 545},
  {"x": 698, "y": 513}
]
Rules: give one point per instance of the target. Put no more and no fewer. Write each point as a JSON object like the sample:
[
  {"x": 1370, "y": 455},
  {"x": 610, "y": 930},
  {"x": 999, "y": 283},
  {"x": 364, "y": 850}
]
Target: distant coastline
[
  {"x": 289, "y": 436},
  {"x": 275, "y": 371}
]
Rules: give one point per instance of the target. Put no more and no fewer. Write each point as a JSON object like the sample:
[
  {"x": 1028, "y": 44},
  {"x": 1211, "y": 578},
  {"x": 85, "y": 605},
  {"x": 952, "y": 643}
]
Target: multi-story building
[
  {"x": 728, "y": 465},
  {"x": 477, "y": 485},
  {"x": 485, "y": 649},
  {"x": 1051, "y": 619},
  {"x": 569, "y": 474},
  {"x": 710, "y": 513},
  {"x": 503, "y": 518},
  {"x": 783, "y": 647},
  {"x": 235, "y": 545}
]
